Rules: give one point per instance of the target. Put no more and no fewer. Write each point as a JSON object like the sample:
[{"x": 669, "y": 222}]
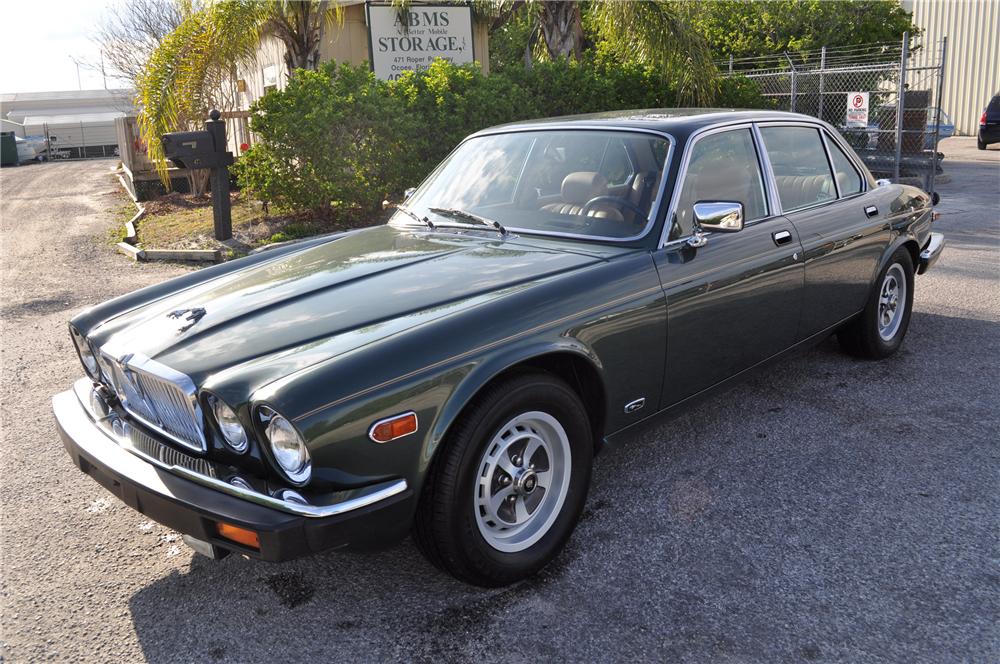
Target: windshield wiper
[
  {"x": 462, "y": 214},
  {"x": 413, "y": 215}
]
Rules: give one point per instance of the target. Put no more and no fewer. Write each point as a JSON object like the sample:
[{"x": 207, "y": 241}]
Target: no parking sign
[{"x": 857, "y": 109}]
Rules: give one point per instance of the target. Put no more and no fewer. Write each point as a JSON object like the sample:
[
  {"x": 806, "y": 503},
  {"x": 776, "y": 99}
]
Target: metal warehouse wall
[{"x": 972, "y": 70}]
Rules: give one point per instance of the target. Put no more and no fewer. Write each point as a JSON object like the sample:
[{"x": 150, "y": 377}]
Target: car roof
[{"x": 676, "y": 121}]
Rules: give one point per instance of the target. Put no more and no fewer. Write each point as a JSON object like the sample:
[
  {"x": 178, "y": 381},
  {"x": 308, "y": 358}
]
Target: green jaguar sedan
[{"x": 451, "y": 374}]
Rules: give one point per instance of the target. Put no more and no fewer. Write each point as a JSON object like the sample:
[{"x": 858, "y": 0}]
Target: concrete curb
[
  {"x": 200, "y": 255},
  {"x": 128, "y": 248},
  {"x": 134, "y": 253},
  {"x": 131, "y": 234}
]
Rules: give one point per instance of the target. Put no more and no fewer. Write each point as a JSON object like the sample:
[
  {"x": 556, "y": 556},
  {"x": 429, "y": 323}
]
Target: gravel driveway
[{"x": 828, "y": 510}]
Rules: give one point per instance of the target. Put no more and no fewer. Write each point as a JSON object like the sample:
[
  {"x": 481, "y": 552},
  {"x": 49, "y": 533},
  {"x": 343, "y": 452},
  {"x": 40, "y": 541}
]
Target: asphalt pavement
[{"x": 830, "y": 509}]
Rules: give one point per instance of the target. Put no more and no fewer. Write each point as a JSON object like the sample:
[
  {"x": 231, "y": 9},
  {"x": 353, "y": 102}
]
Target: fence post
[
  {"x": 901, "y": 103},
  {"x": 791, "y": 105},
  {"x": 83, "y": 142},
  {"x": 937, "y": 113},
  {"x": 730, "y": 64},
  {"x": 822, "y": 67}
]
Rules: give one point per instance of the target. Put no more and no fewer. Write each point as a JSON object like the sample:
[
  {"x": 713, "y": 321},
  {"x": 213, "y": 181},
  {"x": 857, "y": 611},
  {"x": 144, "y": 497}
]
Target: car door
[
  {"x": 840, "y": 223},
  {"x": 735, "y": 301}
]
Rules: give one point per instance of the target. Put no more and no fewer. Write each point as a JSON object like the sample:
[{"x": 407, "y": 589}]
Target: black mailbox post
[{"x": 206, "y": 149}]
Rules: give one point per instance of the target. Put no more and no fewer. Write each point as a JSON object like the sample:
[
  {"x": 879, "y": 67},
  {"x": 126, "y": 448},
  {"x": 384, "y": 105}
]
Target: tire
[
  {"x": 452, "y": 526},
  {"x": 879, "y": 331},
  {"x": 980, "y": 144}
]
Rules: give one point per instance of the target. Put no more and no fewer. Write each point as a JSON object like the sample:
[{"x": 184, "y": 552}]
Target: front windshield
[{"x": 600, "y": 184}]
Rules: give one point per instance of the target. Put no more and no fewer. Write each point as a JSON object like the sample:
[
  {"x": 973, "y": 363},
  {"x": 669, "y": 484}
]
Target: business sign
[
  {"x": 857, "y": 109},
  {"x": 410, "y": 39}
]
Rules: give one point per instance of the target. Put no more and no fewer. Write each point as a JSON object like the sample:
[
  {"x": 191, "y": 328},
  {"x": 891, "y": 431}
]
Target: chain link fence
[{"x": 885, "y": 106}]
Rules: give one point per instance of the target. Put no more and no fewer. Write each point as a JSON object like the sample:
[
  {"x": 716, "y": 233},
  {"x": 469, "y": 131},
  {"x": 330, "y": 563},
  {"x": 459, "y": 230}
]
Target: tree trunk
[{"x": 562, "y": 29}]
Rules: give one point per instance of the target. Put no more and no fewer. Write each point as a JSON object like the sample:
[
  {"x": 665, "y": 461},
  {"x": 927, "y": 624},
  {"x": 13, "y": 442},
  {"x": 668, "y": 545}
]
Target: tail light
[{"x": 982, "y": 120}]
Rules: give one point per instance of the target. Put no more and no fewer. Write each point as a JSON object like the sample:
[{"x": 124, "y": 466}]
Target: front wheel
[
  {"x": 879, "y": 331},
  {"x": 508, "y": 487}
]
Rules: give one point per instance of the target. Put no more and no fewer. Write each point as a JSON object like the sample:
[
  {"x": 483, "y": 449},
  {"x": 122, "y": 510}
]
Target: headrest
[{"x": 580, "y": 187}]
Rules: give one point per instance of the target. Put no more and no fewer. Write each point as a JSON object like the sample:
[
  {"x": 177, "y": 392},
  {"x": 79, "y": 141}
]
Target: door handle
[
  {"x": 781, "y": 237},
  {"x": 871, "y": 210}
]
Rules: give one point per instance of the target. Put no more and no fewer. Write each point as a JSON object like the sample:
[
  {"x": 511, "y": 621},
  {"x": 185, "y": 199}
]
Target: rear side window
[
  {"x": 994, "y": 107},
  {"x": 848, "y": 178},
  {"x": 801, "y": 171}
]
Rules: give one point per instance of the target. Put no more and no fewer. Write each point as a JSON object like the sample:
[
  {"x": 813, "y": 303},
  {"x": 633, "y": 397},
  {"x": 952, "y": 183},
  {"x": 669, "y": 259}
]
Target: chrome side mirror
[{"x": 718, "y": 216}]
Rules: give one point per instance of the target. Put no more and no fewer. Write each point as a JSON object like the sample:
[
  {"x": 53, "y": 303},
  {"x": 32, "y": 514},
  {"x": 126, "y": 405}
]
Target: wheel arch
[{"x": 572, "y": 362}]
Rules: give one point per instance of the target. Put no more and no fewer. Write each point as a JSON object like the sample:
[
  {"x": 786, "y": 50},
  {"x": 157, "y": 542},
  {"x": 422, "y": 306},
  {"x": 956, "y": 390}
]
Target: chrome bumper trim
[
  {"x": 931, "y": 252},
  {"x": 92, "y": 432}
]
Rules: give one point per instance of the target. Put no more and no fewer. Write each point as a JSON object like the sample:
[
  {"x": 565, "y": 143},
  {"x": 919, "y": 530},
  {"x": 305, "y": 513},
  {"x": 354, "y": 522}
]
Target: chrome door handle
[
  {"x": 781, "y": 237},
  {"x": 871, "y": 210}
]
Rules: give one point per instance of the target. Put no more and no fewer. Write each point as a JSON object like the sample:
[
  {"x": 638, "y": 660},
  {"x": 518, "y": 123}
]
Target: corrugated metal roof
[
  {"x": 74, "y": 118},
  {"x": 11, "y": 97}
]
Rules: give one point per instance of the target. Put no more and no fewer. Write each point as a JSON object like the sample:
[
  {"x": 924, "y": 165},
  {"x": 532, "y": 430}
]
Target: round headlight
[
  {"x": 232, "y": 431},
  {"x": 86, "y": 355},
  {"x": 288, "y": 448}
]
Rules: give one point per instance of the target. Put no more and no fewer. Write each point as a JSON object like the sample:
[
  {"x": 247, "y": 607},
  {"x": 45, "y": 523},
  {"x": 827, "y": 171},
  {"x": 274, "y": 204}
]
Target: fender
[{"x": 491, "y": 368}]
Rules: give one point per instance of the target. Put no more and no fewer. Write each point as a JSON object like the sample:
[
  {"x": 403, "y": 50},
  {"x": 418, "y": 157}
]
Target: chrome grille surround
[{"x": 163, "y": 399}]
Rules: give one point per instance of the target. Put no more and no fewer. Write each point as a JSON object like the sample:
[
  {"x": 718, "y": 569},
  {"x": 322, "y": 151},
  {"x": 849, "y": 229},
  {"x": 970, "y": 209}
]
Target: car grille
[{"x": 159, "y": 397}]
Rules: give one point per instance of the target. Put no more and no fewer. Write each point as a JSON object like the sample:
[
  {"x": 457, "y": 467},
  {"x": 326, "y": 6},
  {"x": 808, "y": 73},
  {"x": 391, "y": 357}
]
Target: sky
[{"x": 40, "y": 37}]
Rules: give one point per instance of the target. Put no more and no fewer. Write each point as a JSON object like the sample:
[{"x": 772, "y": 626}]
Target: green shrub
[
  {"x": 331, "y": 137},
  {"x": 339, "y": 136}
]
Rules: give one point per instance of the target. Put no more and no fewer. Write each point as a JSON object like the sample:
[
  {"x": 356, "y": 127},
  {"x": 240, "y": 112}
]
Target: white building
[
  {"x": 77, "y": 123},
  {"x": 972, "y": 62}
]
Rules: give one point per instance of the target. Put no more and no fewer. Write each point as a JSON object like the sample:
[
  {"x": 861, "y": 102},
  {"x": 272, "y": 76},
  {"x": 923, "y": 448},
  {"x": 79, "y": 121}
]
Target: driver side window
[{"x": 723, "y": 167}]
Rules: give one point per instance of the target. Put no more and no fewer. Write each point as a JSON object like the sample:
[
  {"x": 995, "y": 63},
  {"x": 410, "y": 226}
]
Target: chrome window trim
[
  {"x": 367, "y": 495},
  {"x": 158, "y": 371},
  {"x": 818, "y": 128},
  {"x": 829, "y": 163},
  {"x": 834, "y": 135},
  {"x": 654, "y": 211},
  {"x": 772, "y": 212},
  {"x": 827, "y": 139}
]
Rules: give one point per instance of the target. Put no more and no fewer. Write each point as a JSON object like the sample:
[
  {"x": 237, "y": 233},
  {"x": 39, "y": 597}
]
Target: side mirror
[
  {"x": 408, "y": 192},
  {"x": 719, "y": 216}
]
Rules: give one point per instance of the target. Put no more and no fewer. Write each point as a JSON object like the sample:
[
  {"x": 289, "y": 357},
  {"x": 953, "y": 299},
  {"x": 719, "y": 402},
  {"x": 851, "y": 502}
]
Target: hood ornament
[{"x": 192, "y": 316}]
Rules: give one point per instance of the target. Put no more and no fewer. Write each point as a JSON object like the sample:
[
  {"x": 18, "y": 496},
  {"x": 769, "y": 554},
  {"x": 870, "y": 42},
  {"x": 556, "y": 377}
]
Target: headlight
[
  {"x": 232, "y": 431},
  {"x": 288, "y": 449},
  {"x": 86, "y": 354}
]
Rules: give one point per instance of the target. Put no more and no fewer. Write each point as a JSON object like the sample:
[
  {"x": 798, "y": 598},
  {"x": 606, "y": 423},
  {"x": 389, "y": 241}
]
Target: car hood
[{"x": 366, "y": 280}]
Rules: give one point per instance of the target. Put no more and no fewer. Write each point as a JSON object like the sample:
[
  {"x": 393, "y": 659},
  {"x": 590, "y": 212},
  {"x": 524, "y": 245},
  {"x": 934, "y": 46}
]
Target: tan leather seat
[
  {"x": 580, "y": 187},
  {"x": 801, "y": 190},
  {"x": 641, "y": 192}
]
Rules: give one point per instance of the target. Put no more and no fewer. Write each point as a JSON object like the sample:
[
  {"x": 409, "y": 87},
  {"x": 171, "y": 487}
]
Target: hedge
[{"x": 339, "y": 136}]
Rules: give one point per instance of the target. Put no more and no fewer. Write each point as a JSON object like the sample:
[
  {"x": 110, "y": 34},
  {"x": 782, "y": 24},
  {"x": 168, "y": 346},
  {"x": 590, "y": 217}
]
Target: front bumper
[
  {"x": 194, "y": 504},
  {"x": 931, "y": 252}
]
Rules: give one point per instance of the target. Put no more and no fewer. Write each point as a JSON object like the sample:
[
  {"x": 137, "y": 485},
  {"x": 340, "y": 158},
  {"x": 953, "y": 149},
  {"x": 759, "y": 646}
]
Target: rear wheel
[
  {"x": 879, "y": 331},
  {"x": 507, "y": 489},
  {"x": 980, "y": 144}
]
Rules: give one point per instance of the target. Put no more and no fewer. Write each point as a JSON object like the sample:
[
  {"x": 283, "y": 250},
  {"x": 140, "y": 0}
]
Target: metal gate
[{"x": 885, "y": 106}]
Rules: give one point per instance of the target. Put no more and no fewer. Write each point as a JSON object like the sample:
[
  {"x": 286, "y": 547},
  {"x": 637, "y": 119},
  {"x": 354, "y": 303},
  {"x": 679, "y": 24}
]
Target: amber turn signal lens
[
  {"x": 393, "y": 427},
  {"x": 237, "y": 534}
]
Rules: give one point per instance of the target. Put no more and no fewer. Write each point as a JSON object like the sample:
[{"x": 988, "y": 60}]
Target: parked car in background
[
  {"x": 945, "y": 127},
  {"x": 989, "y": 124},
  {"x": 548, "y": 287}
]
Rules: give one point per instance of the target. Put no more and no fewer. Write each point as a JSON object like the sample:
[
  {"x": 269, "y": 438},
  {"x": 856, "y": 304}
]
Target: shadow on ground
[{"x": 819, "y": 511}]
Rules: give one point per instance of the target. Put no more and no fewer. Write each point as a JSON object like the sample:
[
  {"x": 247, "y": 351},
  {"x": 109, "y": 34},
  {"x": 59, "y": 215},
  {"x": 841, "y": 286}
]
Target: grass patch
[{"x": 182, "y": 221}]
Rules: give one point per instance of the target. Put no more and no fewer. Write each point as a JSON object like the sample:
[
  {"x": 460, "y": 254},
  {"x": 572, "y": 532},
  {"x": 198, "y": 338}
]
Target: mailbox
[
  {"x": 195, "y": 149},
  {"x": 206, "y": 149}
]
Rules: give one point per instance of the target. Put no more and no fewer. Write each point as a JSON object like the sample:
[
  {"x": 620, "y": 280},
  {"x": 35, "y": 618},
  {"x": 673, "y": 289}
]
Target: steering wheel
[{"x": 614, "y": 200}]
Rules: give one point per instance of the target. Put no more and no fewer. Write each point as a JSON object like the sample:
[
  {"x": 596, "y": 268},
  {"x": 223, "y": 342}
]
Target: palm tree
[
  {"x": 653, "y": 32},
  {"x": 194, "y": 68}
]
